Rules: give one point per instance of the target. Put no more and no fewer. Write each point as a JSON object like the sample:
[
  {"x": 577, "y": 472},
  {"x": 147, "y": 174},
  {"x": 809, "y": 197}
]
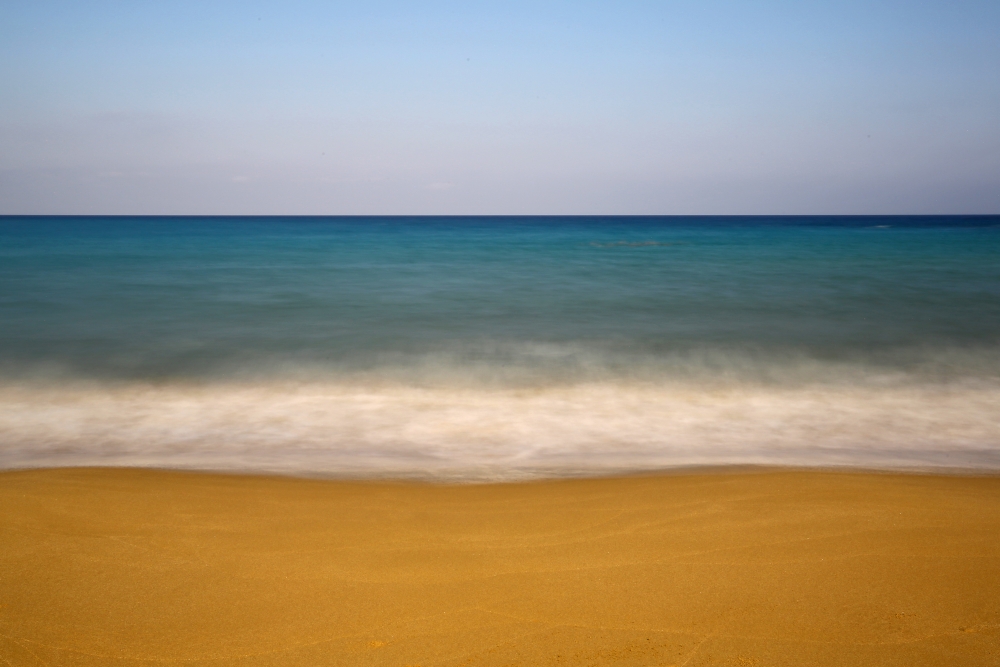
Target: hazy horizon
[{"x": 450, "y": 109}]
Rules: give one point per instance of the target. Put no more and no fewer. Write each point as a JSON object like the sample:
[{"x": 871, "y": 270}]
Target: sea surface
[{"x": 475, "y": 348}]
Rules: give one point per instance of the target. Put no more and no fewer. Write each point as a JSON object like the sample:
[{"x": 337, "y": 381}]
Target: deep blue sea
[{"x": 499, "y": 348}]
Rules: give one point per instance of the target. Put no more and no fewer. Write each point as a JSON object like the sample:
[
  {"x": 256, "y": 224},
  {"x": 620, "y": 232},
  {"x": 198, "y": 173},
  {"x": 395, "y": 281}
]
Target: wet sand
[{"x": 744, "y": 568}]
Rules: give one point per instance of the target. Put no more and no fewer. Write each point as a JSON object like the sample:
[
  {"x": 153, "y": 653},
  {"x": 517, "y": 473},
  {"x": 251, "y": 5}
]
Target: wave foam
[{"x": 482, "y": 433}]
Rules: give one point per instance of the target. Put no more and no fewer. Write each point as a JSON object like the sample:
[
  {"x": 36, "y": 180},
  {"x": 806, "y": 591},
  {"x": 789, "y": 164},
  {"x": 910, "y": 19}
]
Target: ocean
[{"x": 495, "y": 348}]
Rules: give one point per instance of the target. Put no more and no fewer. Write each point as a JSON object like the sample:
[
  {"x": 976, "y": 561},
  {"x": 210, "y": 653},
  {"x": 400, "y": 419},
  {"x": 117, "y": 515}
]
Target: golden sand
[{"x": 752, "y": 568}]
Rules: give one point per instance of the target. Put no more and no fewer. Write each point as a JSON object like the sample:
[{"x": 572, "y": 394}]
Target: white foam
[{"x": 392, "y": 429}]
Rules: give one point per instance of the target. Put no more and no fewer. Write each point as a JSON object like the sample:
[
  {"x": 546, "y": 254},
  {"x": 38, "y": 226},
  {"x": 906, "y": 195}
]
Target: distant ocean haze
[{"x": 499, "y": 348}]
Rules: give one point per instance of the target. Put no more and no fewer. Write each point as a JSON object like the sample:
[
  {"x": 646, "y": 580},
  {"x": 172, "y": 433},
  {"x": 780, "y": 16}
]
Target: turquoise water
[{"x": 499, "y": 347}]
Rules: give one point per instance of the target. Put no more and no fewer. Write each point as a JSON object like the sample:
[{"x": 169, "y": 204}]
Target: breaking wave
[{"x": 441, "y": 419}]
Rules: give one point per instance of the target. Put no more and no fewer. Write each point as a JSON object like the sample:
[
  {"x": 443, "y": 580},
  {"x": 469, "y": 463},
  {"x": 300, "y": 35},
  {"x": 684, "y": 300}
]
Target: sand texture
[{"x": 123, "y": 567}]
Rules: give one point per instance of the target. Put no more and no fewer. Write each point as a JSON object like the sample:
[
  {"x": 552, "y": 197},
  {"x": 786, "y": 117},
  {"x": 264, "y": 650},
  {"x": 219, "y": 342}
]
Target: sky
[{"x": 455, "y": 108}]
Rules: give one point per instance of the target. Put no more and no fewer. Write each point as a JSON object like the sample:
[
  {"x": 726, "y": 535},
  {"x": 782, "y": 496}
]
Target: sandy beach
[{"x": 727, "y": 567}]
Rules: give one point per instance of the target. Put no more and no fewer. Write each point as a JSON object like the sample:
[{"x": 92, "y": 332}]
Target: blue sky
[{"x": 499, "y": 108}]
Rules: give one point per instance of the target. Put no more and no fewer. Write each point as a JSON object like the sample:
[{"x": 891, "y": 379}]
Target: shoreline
[
  {"x": 461, "y": 477},
  {"x": 747, "y": 566}
]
